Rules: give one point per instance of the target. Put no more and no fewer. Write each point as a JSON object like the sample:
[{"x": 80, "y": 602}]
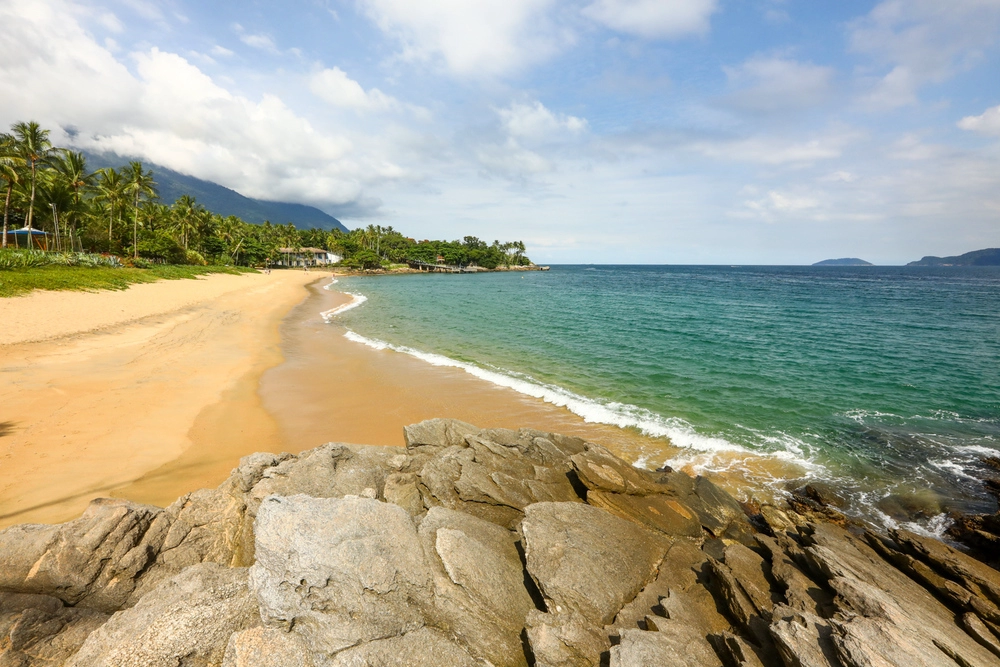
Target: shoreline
[
  {"x": 104, "y": 391},
  {"x": 333, "y": 388}
]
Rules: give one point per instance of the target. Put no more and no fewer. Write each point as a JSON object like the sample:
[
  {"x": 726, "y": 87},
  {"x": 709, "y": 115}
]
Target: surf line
[{"x": 356, "y": 300}]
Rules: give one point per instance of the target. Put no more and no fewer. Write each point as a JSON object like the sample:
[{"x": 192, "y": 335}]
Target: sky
[{"x": 596, "y": 131}]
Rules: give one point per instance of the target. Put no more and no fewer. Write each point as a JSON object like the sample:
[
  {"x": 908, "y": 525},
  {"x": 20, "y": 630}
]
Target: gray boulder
[
  {"x": 339, "y": 571},
  {"x": 41, "y": 630},
  {"x": 266, "y": 647},
  {"x": 479, "y": 592},
  {"x": 587, "y": 560},
  {"x": 425, "y": 647},
  {"x": 92, "y": 562},
  {"x": 565, "y": 639},
  {"x": 187, "y": 620}
]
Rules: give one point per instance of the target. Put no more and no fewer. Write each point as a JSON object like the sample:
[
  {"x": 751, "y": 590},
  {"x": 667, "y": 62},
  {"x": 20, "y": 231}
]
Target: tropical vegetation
[{"x": 118, "y": 212}]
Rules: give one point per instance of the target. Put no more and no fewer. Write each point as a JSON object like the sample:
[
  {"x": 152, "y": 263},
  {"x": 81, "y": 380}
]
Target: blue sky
[{"x": 646, "y": 131}]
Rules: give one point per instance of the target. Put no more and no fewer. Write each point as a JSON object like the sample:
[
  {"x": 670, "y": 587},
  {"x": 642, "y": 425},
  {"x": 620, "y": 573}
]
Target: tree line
[{"x": 118, "y": 211}]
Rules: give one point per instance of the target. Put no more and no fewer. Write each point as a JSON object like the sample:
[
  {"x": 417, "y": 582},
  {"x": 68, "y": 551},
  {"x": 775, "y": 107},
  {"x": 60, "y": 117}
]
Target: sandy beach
[{"x": 101, "y": 389}]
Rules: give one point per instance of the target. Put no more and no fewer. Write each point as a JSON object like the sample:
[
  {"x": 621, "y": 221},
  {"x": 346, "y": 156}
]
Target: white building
[{"x": 306, "y": 257}]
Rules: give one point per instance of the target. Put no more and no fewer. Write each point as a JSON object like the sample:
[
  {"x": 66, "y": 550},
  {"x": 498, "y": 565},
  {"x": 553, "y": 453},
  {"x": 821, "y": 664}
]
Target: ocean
[{"x": 881, "y": 381}]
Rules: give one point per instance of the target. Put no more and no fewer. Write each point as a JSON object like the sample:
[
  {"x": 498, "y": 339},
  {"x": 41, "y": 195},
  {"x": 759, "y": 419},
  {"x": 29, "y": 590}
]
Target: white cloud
[
  {"x": 110, "y": 22},
  {"x": 840, "y": 176},
  {"x": 335, "y": 87},
  {"x": 172, "y": 113},
  {"x": 486, "y": 37},
  {"x": 653, "y": 18},
  {"x": 534, "y": 122},
  {"x": 221, "y": 51},
  {"x": 776, "y": 150},
  {"x": 777, "y": 84},
  {"x": 262, "y": 42},
  {"x": 921, "y": 42},
  {"x": 987, "y": 122}
]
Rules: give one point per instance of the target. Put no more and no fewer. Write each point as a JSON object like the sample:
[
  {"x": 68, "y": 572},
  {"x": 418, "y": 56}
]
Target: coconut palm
[
  {"x": 11, "y": 163},
  {"x": 187, "y": 214},
  {"x": 139, "y": 184},
  {"x": 71, "y": 168},
  {"x": 111, "y": 191},
  {"x": 34, "y": 147}
]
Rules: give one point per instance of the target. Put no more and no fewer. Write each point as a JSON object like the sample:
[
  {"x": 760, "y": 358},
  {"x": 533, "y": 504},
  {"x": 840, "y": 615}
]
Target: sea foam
[
  {"x": 356, "y": 300},
  {"x": 622, "y": 415}
]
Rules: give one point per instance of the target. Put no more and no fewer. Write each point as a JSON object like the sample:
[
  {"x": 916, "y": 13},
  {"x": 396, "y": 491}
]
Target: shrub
[{"x": 195, "y": 258}]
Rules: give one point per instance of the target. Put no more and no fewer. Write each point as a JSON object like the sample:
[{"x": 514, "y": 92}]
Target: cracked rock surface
[{"x": 483, "y": 547}]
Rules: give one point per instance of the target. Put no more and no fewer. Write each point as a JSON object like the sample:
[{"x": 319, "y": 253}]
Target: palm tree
[
  {"x": 139, "y": 183},
  {"x": 57, "y": 195},
  {"x": 33, "y": 145},
  {"x": 10, "y": 165},
  {"x": 186, "y": 211},
  {"x": 110, "y": 190},
  {"x": 72, "y": 170}
]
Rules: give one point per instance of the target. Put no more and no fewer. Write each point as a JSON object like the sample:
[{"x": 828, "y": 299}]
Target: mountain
[
  {"x": 844, "y": 261},
  {"x": 985, "y": 257},
  {"x": 221, "y": 200}
]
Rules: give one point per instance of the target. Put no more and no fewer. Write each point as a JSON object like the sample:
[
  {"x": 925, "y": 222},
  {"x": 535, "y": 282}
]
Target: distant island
[
  {"x": 844, "y": 261},
  {"x": 985, "y": 257}
]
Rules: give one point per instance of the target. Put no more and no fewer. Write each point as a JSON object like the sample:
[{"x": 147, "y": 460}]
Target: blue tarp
[{"x": 23, "y": 231}]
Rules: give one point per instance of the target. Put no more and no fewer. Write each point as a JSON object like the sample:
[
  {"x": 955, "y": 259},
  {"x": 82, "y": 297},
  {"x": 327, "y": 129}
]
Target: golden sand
[{"x": 99, "y": 389}]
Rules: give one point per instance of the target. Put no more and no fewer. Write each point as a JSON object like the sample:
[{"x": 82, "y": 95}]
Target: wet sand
[{"x": 102, "y": 389}]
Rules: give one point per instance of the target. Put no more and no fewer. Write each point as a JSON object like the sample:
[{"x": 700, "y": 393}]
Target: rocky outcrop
[{"x": 484, "y": 547}]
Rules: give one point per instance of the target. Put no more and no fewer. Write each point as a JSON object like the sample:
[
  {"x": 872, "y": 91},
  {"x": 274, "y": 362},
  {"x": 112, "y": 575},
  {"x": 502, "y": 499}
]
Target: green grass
[{"x": 54, "y": 277}]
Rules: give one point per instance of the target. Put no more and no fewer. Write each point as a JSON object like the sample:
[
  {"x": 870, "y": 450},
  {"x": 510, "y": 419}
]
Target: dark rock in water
[
  {"x": 822, "y": 493},
  {"x": 490, "y": 547}
]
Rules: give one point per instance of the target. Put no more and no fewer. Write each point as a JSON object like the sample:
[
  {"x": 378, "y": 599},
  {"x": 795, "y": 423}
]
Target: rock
[
  {"x": 801, "y": 593},
  {"x": 880, "y": 630},
  {"x": 718, "y": 511},
  {"x": 266, "y": 647},
  {"x": 880, "y": 605},
  {"x": 736, "y": 651},
  {"x": 574, "y": 554},
  {"x": 480, "y": 595},
  {"x": 978, "y": 631},
  {"x": 803, "y": 639},
  {"x": 421, "y": 648},
  {"x": 601, "y": 470},
  {"x": 677, "y": 585},
  {"x": 402, "y": 488},
  {"x": 822, "y": 493},
  {"x": 339, "y": 571},
  {"x": 91, "y": 562},
  {"x": 777, "y": 520},
  {"x": 642, "y": 649},
  {"x": 494, "y": 480},
  {"x": 437, "y": 433},
  {"x": 975, "y": 576},
  {"x": 40, "y": 630},
  {"x": 187, "y": 620},
  {"x": 658, "y": 512},
  {"x": 565, "y": 639}
]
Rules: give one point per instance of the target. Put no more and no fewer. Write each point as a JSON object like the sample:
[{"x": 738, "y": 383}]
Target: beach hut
[{"x": 28, "y": 237}]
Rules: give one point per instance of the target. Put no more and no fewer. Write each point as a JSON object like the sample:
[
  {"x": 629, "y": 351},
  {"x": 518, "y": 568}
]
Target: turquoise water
[{"x": 883, "y": 380}]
